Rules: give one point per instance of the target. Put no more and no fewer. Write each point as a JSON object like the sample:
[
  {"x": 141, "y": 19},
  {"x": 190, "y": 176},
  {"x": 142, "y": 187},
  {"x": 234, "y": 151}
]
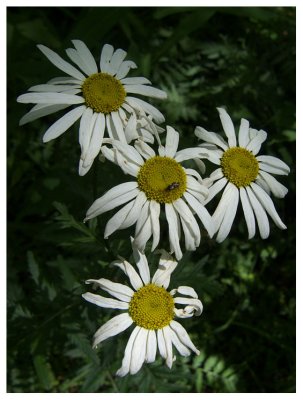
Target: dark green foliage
[{"x": 241, "y": 58}]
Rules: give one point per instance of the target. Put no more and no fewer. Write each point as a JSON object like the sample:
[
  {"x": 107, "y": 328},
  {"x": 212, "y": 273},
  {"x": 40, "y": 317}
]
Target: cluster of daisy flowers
[{"x": 121, "y": 126}]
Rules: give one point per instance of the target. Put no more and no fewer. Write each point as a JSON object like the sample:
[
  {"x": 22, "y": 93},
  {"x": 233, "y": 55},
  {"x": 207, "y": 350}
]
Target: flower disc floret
[
  {"x": 162, "y": 179},
  {"x": 152, "y": 307},
  {"x": 103, "y": 93},
  {"x": 239, "y": 166}
]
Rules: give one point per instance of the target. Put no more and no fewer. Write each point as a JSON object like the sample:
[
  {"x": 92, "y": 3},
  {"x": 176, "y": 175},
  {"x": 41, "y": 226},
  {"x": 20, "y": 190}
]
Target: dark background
[{"x": 241, "y": 58}]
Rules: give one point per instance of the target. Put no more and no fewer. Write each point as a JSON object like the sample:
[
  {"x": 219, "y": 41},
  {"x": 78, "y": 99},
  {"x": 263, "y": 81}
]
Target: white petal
[
  {"x": 186, "y": 215},
  {"x": 200, "y": 165},
  {"x": 116, "y": 196},
  {"x": 151, "y": 347},
  {"x": 168, "y": 344},
  {"x": 129, "y": 271},
  {"x": 214, "y": 156},
  {"x": 145, "y": 231},
  {"x": 187, "y": 291},
  {"x": 53, "y": 88},
  {"x": 50, "y": 98},
  {"x": 161, "y": 343},
  {"x": 201, "y": 191},
  {"x": 255, "y": 144},
  {"x": 268, "y": 204},
  {"x": 86, "y": 56},
  {"x": 210, "y": 137},
  {"x": 121, "y": 292},
  {"x": 141, "y": 262},
  {"x": 62, "y": 124},
  {"x": 154, "y": 209},
  {"x": 127, "y": 166},
  {"x": 145, "y": 91},
  {"x": 124, "y": 370},
  {"x": 260, "y": 214},
  {"x": 124, "y": 69},
  {"x": 276, "y": 187},
  {"x": 86, "y": 128},
  {"x": 129, "y": 153},
  {"x": 42, "y": 111},
  {"x": 183, "y": 350},
  {"x": 130, "y": 131},
  {"x": 106, "y": 55},
  {"x": 166, "y": 267},
  {"x": 135, "y": 81},
  {"x": 248, "y": 213},
  {"x": 230, "y": 213},
  {"x": 118, "y": 126},
  {"x": 139, "y": 104},
  {"x": 96, "y": 139},
  {"x": 134, "y": 213},
  {"x": 65, "y": 80},
  {"x": 243, "y": 133},
  {"x": 191, "y": 153},
  {"x": 173, "y": 226},
  {"x": 202, "y": 213},
  {"x": 104, "y": 301},
  {"x": 273, "y": 165},
  {"x": 193, "y": 172},
  {"x": 117, "y": 220},
  {"x": 139, "y": 351},
  {"x": 112, "y": 327},
  {"x": 117, "y": 60},
  {"x": 195, "y": 304},
  {"x": 75, "y": 57},
  {"x": 55, "y": 59},
  {"x": 172, "y": 141},
  {"x": 183, "y": 336},
  {"x": 144, "y": 149},
  {"x": 215, "y": 189},
  {"x": 228, "y": 127}
]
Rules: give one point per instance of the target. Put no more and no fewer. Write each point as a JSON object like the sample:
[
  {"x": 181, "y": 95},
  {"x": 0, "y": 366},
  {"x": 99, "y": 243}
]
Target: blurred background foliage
[{"x": 241, "y": 58}]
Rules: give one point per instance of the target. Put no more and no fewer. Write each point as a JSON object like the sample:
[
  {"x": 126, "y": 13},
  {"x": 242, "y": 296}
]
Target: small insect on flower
[{"x": 173, "y": 186}]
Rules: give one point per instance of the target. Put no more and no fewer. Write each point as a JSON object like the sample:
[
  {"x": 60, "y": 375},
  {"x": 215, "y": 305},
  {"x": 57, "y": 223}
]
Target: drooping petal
[
  {"x": 124, "y": 69},
  {"x": 210, "y": 137},
  {"x": 116, "y": 196},
  {"x": 62, "y": 124},
  {"x": 86, "y": 128},
  {"x": 161, "y": 343},
  {"x": 121, "y": 292},
  {"x": 143, "y": 227},
  {"x": 183, "y": 350},
  {"x": 229, "y": 215},
  {"x": 260, "y": 214},
  {"x": 183, "y": 336},
  {"x": 124, "y": 370},
  {"x": 173, "y": 226},
  {"x": 187, "y": 216},
  {"x": 144, "y": 149},
  {"x": 215, "y": 189},
  {"x": 117, "y": 220},
  {"x": 41, "y": 110},
  {"x": 273, "y": 165},
  {"x": 151, "y": 347},
  {"x": 168, "y": 344},
  {"x": 166, "y": 267},
  {"x": 195, "y": 304},
  {"x": 105, "y": 302},
  {"x": 276, "y": 187},
  {"x": 139, "y": 104},
  {"x": 154, "y": 209},
  {"x": 139, "y": 351},
  {"x": 112, "y": 327},
  {"x": 96, "y": 140},
  {"x": 135, "y": 212},
  {"x": 186, "y": 291},
  {"x": 248, "y": 213},
  {"x": 55, "y": 59},
  {"x": 202, "y": 213},
  {"x": 146, "y": 91},
  {"x": 118, "y": 126},
  {"x": 228, "y": 127},
  {"x": 268, "y": 204}
]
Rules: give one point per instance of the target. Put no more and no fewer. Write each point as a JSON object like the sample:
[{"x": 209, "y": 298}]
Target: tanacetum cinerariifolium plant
[{"x": 102, "y": 98}]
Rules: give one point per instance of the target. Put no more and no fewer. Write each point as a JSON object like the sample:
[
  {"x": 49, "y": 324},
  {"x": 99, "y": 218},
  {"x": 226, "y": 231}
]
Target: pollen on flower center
[
  {"x": 239, "y": 166},
  {"x": 103, "y": 93},
  {"x": 152, "y": 307},
  {"x": 162, "y": 179}
]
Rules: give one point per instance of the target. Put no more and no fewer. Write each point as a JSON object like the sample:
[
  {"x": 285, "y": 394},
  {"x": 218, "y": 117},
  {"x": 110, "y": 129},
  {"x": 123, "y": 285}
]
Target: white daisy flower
[
  {"x": 244, "y": 175},
  {"x": 103, "y": 98},
  {"x": 151, "y": 308},
  {"x": 160, "y": 180}
]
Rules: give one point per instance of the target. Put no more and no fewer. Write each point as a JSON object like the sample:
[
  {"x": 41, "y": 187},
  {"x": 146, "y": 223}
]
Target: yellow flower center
[
  {"x": 103, "y": 93},
  {"x": 152, "y": 307},
  {"x": 162, "y": 179},
  {"x": 239, "y": 166}
]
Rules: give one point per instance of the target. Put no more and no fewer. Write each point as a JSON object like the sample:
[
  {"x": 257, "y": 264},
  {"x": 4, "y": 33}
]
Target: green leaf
[
  {"x": 44, "y": 372},
  {"x": 33, "y": 267}
]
